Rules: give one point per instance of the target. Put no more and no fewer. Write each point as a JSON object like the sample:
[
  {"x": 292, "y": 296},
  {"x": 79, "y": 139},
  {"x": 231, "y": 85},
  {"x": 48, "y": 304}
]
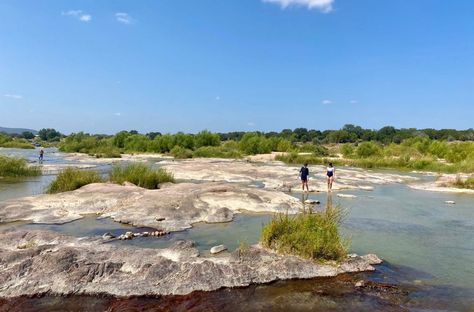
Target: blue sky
[{"x": 187, "y": 65}]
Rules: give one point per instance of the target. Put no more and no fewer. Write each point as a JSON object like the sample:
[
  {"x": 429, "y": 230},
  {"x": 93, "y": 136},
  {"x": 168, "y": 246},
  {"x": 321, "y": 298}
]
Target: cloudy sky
[{"x": 187, "y": 65}]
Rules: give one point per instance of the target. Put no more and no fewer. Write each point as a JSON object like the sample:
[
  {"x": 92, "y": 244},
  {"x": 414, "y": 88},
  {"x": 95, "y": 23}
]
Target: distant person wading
[
  {"x": 331, "y": 174},
  {"x": 41, "y": 155},
  {"x": 304, "y": 174}
]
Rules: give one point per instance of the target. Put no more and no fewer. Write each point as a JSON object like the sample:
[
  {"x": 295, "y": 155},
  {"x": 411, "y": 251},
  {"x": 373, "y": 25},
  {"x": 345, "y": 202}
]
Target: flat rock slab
[
  {"x": 38, "y": 262},
  {"x": 173, "y": 208},
  {"x": 276, "y": 175}
]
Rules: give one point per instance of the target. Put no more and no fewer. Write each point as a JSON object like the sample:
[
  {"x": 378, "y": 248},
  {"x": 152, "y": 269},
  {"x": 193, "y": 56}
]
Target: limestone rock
[
  {"x": 218, "y": 249},
  {"x": 177, "y": 206},
  {"x": 62, "y": 265}
]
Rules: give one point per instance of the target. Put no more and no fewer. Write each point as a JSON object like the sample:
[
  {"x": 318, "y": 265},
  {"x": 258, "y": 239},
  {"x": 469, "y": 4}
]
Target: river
[{"x": 427, "y": 246}]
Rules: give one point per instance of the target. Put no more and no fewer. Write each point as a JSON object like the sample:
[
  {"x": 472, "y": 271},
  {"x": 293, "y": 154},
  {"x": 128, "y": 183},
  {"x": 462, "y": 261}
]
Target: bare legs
[
  {"x": 330, "y": 180},
  {"x": 303, "y": 183}
]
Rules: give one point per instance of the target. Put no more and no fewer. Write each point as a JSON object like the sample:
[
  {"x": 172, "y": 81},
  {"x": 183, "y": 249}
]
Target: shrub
[
  {"x": 467, "y": 183},
  {"x": 140, "y": 175},
  {"x": 18, "y": 143},
  {"x": 136, "y": 143},
  {"x": 347, "y": 150},
  {"x": 217, "y": 151},
  {"x": 313, "y": 236},
  {"x": 252, "y": 143},
  {"x": 368, "y": 149},
  {"x": 284, "y": 146},
  {"x": 206, "y": 138},
  {"x": 71, "y": 179},
  {"x": 106, "y": 151},
  {"x": 17, "y": 167},
  {"x": 181, "y": 152}
]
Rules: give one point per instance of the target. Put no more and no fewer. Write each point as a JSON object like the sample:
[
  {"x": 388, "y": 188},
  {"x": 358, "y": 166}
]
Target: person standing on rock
[
  {"x": 304, "y": 174},
  {"x": 330, "y": 174}
]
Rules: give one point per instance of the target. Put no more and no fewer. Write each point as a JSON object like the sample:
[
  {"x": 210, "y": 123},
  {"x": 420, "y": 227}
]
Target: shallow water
[{"x": 427, "y": 244}]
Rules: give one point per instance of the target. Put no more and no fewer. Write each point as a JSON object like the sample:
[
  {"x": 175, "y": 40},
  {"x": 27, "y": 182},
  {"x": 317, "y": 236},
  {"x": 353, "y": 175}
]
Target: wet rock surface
[{"x": 38, "y": 262}]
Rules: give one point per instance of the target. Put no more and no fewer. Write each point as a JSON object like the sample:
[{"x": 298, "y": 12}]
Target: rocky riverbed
[
  {"x": 42, "y": 261},
  {"x": 276, "y": 175}
]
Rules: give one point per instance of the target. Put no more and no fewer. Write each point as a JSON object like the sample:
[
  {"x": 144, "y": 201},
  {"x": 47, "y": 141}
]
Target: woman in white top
[{"x": 330, "y": 174}]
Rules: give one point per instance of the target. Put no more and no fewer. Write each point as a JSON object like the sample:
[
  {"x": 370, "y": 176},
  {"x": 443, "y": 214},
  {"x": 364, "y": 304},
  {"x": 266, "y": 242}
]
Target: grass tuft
[
  {"x": 140, "y": 175},
  {"x": 17, "y": 167},
  {"x": 313, "y": 236},
  {"x": 71, "y": 179}
]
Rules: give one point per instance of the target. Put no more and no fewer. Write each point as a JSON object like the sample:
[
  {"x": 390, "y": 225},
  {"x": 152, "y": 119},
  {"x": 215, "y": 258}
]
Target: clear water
[{"x": 423, "y": 241}]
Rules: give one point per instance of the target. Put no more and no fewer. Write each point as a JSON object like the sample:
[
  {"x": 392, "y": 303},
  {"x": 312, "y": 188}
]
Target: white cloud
[
  {"x": 79, "y": 15},
  {"x": 85, "y": 18},
  {"x": 13, "y": 96},
  {"x": 251, "y": 124},
  {"x": 353, "y": 101},
  {"x": 324, "y": 6},
  {"x": 118, "y": 114},
  {"x": 218, "y": 98},
  {"x": 123, "y": 18},
  {"x": 326, "y": 102}
]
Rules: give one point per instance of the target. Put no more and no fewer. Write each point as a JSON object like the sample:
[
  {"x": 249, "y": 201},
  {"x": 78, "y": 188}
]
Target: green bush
[
  {"x": 17, "y": 167},
  {"x": 206, "y": 138},
  {"x": 217, "y": 151},
  {"x": 313, "y": 236},
  {"x": 253, "y": 143},
  {"x": 140, "y": 175},
  {"x": 368, "y": 149},
  {"x": 466, "y": 183},
  {"x": 181, "y": 152},
  {"x": 18, "y": 143},
  {"x": 71, "y": 179},
  {"x": 9, "y": 141},
  {"x": 347, "y": 150}
]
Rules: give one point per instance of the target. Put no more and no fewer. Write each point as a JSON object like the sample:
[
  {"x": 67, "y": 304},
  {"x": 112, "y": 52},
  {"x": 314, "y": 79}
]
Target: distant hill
[{"x": 17, "y": 130}]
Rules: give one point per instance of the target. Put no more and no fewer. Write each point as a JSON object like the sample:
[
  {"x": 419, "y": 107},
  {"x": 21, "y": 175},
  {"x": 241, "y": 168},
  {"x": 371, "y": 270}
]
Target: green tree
[
  {"x": 27, "y": 135},
  {"x": 119, "y": 139},
  {"x": 206, "y": 138},
  {"x": 49, "y": 134}
]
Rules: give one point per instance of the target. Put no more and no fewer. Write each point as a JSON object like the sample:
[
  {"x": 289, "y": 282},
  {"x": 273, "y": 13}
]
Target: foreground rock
[
  {"x": 39, "y": 262},
  {"x": 277, "y": 175},
  {"x": 172, "y": 208}
]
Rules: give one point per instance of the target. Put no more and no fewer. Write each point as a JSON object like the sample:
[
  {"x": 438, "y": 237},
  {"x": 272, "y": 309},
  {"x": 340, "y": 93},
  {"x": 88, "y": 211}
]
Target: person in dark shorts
[
  {"x": 41, "y": 155},
  {"x": 304, "y": 174},
  {"x": 330, "y": 174}
]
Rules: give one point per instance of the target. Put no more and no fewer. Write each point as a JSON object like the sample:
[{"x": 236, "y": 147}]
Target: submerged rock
[
  {"x": 108, "y": 235},
  {"x": 346, "y": 196}
]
